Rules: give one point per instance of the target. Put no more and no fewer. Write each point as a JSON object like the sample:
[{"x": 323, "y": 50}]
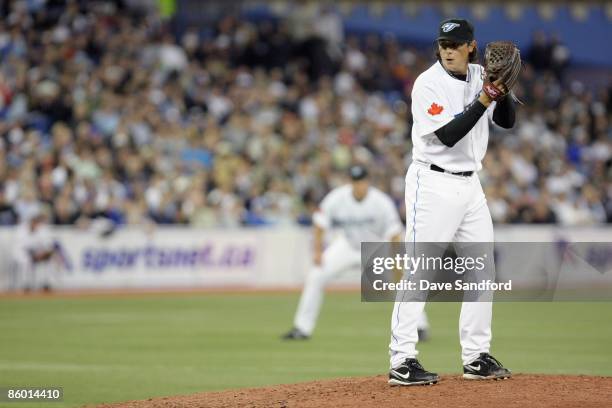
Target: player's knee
[{"x": 318, "y": 276}]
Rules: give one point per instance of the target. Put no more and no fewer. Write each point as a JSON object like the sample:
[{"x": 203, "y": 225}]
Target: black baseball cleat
[
  {"x": 295, "y": 334},
  {"x": 411, "y": 372},
  {"x": 485, "y": 367}
]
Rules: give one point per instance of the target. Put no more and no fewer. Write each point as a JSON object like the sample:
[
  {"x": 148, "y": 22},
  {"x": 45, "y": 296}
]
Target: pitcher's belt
[{"x": 441, "y": 170}]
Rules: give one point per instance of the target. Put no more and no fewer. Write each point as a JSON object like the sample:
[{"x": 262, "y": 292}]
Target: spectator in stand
[
  {"x": 8, "y": 215},
  {"x": 110, "y": 115}
]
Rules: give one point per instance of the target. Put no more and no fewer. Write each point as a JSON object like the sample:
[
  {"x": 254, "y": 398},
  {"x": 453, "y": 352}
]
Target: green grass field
[{"x": 105, "y": 349}]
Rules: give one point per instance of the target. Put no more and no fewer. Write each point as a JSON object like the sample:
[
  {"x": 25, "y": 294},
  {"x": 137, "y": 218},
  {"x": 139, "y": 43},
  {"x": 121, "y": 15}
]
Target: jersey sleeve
[
  {"x": 430, "y": 108},
  {"x": 21, "y": 251},
  {"x": 46, "y": 238},
  {"x": 322, "y": 218}
]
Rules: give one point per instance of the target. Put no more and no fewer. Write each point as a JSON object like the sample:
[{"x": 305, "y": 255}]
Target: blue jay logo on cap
[{"x": 449, "y": 27}]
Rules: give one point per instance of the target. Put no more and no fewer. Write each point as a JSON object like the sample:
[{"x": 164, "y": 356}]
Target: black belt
[{"x": 460, "y": 173}]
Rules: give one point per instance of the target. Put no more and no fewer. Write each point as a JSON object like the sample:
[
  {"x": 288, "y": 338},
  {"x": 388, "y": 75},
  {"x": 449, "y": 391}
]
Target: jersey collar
[{"x": 467, "y": 77}]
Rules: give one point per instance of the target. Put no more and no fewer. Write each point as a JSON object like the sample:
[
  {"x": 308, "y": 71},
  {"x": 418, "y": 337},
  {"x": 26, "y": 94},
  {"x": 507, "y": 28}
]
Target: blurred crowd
[{"x": 114, "y": 115}]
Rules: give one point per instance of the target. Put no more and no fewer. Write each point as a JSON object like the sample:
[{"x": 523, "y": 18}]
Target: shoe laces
[
  {"x": 489, "y": 358},
  {"x": 414, "y": 363}
]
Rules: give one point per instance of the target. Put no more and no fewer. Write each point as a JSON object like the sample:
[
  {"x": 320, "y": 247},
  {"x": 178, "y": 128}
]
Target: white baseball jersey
[
  {"x": 374, "y": 218},
  {"x": 437, "y": 97},
  {"x": 28, "y": 242},
  {"x": 29, "y": 273}
]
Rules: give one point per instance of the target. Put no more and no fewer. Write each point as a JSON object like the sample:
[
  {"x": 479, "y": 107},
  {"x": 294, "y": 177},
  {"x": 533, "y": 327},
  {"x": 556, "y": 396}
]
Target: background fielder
[
  {"x": 33, "y": 254},
  {"x": 450, "y": 135},
  {"x": 360, "y": 213}
]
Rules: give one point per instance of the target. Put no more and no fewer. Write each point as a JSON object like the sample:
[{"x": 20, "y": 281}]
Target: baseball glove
[{"x": 503, "y": 63}]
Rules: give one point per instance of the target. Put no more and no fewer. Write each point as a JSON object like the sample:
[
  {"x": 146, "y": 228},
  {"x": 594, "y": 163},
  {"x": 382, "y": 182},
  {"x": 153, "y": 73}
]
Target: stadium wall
[
  {"x": 584, "y": 27},
  {"x": 181, "y": 257}
]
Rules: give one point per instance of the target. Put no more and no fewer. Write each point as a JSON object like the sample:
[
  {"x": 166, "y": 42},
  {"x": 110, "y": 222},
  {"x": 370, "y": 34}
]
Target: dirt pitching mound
[{"x": 532, "y": 391}]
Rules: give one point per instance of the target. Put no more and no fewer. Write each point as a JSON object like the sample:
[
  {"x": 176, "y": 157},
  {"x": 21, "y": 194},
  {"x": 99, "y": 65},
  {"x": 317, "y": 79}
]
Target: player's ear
[{"x": 473, "y": 51}]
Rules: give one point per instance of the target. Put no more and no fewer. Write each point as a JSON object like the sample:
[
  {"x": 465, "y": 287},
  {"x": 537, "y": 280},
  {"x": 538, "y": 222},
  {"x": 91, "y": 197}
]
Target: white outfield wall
[
  {"x": 181, "y": 257},
  {"x": 171, "y": 257}
]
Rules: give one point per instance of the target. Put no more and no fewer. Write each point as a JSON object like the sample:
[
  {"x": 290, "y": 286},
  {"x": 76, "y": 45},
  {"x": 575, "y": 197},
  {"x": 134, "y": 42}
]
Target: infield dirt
[{"x": 523, "y": 390}]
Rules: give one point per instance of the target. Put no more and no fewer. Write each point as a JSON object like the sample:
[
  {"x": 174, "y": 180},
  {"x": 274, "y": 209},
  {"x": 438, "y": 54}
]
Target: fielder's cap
[
  {"x": 456, "y": 29},
  {"x": 358, "y": 172}
]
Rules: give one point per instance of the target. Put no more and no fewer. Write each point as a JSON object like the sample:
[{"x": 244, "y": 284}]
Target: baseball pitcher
[{"x": 452, "y": 103}]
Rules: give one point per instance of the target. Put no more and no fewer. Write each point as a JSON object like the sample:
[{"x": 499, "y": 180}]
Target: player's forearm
[
  {"x": 504, "y": 114},
  {"x": 318, "y": 237},
  {"x": 318, "y": 242},
  {"x": 457, "y": 128}
]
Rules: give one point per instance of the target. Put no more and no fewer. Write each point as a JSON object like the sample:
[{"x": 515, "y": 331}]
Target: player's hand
[
  {"x": 486, "y": 98},
  {"x": 500, "y": 85}
]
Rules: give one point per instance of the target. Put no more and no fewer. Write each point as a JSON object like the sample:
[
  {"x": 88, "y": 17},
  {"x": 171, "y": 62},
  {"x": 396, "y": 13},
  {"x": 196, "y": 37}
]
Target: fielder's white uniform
[
  {"x": 373, "y": 219},
  {"x": 32, "y": 274},
  {"x": 442, "y": 207}
]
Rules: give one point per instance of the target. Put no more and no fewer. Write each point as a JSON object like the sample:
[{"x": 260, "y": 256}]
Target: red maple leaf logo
[{"x": 435, "y": 109}]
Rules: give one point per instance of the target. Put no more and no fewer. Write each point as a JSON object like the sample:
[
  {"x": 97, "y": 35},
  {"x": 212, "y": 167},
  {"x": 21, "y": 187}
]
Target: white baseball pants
[{"x": 442, "y": 207}]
